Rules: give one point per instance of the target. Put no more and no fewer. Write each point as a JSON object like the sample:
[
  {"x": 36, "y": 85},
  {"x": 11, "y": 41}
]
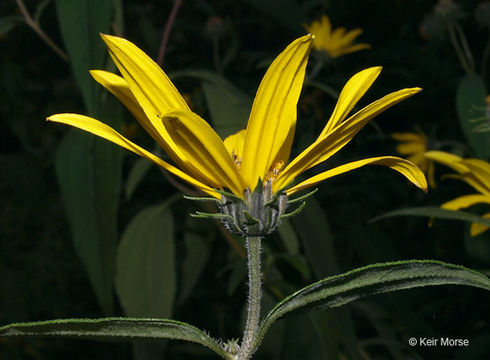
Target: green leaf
[
  {"x": 373, "y": 279},
  {"x": 136, "y": 174},
  {"x": 146, "y": 263},
  {"x": 89, "y": 176},
  {"x": 81, "y": 22},
  {"x": 7, "y": 23},
  {"x": 196, "y": 255},
  {"x": 40, "y": 10},
  {"x": 435, "y": 212},
  {"x": 322, "y": 258},
  {"x": 229, "y": 106},
  {"x": 288, "y": 236},
  {"x": 471, "y": 95},
  {"x": 115, "y": 329}
]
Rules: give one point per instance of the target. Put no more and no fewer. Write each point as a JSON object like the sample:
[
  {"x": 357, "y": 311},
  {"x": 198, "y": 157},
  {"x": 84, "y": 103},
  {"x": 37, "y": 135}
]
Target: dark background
[{"x": 41, "y": 276}]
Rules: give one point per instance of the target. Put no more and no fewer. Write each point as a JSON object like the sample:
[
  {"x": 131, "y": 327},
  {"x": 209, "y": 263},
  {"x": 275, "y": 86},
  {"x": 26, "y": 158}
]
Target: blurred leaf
[
  {"x": 478, "y": 248},
  {"x": 196, "y": 255},
  {"x": 89, "y": 169},
  {"x": 271, "y": 347},
  {"x": 321, "y": 255},
  {"x": 115, "y": 329},
  {"x": 302, "y": 341},
  {"x": 287, "y": 13},
  {"x": 237, "y": 276},
  {"x": 369, "y": 280},
  {"x": 40, "y": 10},
  {"x": 7, "y": 23},
  {"x": 136, "y": 174},
  {"x": 229, "y": 106},
  {"x": 146, "y": 266},
  {"x": 298, "y": 262},
  {"x": 288, "y": 236},
  {"x": 118, "y": 17},
  {"x": 146, "y": 263},
  {"x": 471, "y": 95},
  {"x": 434, "y": 212},
  {"x": 309, "y": 224},
  {"x": 81, "y": 22},
  {"x": 89, "y": 175}
]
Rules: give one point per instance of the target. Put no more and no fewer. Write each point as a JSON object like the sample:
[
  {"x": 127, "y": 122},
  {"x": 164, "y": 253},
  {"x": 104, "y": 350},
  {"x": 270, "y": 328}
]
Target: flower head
[
  {"x": 414, "y": 145},
  {"x": 336, "y": 42},
  {"x": 474, "y": 172},
  {"x": 254, "y": 158}
]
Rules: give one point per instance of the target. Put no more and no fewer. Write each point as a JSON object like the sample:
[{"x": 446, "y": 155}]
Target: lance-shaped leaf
[
  {"x": 115, "y": 329},
  {"x": 373, "y": 279},
  {"x": 435, "y": 212}
]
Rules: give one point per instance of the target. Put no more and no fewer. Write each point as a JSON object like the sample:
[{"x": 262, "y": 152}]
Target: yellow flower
[
  {"x": 258, "y": 153},
  {"x": 474, "y": 172},
  {"x": 414, "y": 145},
  {"x": 337, "y": 42}
]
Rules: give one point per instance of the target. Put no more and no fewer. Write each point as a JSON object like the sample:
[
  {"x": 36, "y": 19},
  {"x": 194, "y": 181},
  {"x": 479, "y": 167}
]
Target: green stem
[
  {"x": 254, "y": 298},
  {"x": 458, "y": 49},
  {"x": 465, "y": 47},
  {"x": 486, "y": 53},
  {"x": 217, "y": 56}
]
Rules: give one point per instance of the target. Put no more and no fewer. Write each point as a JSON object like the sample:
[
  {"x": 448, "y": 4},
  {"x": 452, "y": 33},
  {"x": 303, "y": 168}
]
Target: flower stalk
[{"x": 254, "y": 298}]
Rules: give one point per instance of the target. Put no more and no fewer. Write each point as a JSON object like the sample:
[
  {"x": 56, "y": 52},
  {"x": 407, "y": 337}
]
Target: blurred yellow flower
[
  {"x": 474, "y": 172},
  {"x": 336, "y": 42},
  {"x": 257, "y": 154},
  {"x": 414, "y": 145}
]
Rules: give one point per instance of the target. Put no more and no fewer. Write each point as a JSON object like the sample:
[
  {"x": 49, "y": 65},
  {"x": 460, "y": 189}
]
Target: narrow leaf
[
  {"x": 197, "y": 252},
  {"x": 435, "y": 212},
  {"x": 373, "y": 279},
  {"x": 136, "y": 174},
  {"x": 114, "y": 329},
  {"x": 89, "y": 175},
  {"x": 7, "y": 23},
  {"x": 471, "y": 95},
  {"x": 81, "y": 21},
  {"x": 146, "y": 264}
]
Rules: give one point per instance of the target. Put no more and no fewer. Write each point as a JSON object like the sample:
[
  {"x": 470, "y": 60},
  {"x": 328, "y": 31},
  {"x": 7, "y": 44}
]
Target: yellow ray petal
[
  {"x": 410, "y": 148},
  {"x": 481, "y": 170},
  {"x": 350, "y": 36},
  {"x": 469, "y": 178},
  {"x": 120, "y": 89},
  {"x": 149, "y": 84},
  {"x": 352, "y": 92},
  {"x": 205, "y": 149},
  {"x": 273, "y": 114},
  {"x": 465, "y": 201},
  {"x": 350, "y": 49},
  {"x": 408, "y": 137},
  {"x": 404, "y": 167},
  {"x": 478, "y": 228},
  {"x": 100, "y": 129},
  {"x": 328, "y": 145},
  {"x": 234, "y": 144},
  {"x": 154, "y": 126},
  {"x": 431, "y": 174},
  {"x": 447, "y": 159}
]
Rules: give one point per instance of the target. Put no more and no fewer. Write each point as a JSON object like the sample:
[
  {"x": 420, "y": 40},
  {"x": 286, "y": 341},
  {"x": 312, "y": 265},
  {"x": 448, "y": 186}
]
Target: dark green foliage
[{"x": 63, "y": 214}]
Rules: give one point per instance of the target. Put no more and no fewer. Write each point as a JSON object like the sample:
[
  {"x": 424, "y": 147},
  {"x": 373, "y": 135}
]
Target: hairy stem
[{"x": 254, "y": 298}]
